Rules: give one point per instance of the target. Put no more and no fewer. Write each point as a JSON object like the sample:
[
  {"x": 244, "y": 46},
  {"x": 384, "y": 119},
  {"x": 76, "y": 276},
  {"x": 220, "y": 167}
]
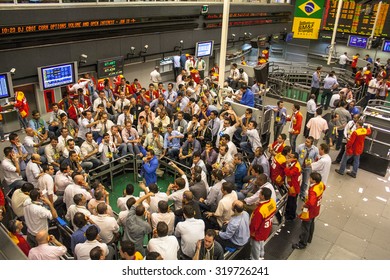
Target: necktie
[
  {"x": 101, "y": 102},
  {"x": 121, "y": 106},
  {"x": 212, "y": 124},
  {"x": 104, "y": 128}
]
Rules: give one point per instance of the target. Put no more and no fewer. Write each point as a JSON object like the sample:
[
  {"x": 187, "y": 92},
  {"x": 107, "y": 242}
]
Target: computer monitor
[
  {"x": 6, "y": 87},
  {"x": 58, "y": 75},
  {"x": 357, "y": 42},
  {"x": 204, "y": 48},
  {"x": 386, "y": 46}
]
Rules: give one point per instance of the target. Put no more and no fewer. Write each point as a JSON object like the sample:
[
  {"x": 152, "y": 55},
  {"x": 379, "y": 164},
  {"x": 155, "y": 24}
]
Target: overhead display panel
[
  {"x": 110, "y": 67},
  {"x": 357, "y": 18},
  {"x": 58, "y": 75},
  {"x": 357, "y": 42}
]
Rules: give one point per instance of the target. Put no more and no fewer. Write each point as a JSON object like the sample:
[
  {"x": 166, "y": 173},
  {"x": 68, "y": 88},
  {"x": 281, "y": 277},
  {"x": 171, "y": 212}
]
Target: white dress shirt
[
  {"x": 73, "y": 209},
  {"x": 32, "y": 173},
  {"x": 224, "y": 210},
  {"x": 119, "y": 105},
  {"x": 73, "y": 189},
  {"x": 46, "y": 186},
  {"x": 17, "y": 200},
  {"x": 168, "y": 218},
  {"x": 36, "y": 216},
  {"x": 108, "y": 226},
  {"x": 121, "y": 202},
  {"x": 62, "y": 180},
  {"x": 190, "y": 231},
  {"x": 10, "y": 174},
  {"x": 155, "y": 76},
  {"x": 167, "y": 246},
  {"x": 46, "y": 252},
  {"x": 52, "y": 154},
  {"x": 254, "y": 198},
  {"x": 177, "y": 196},
  {"x": 82, "y": 250},
  {"x": 322, "y": 166}
]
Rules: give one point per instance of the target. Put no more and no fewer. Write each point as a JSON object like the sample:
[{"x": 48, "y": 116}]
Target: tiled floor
[{"x": 354, "y": 222}]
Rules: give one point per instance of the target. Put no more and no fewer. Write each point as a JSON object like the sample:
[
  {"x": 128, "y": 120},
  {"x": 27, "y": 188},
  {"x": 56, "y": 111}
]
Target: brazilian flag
[{"x": 307, "y": 18}]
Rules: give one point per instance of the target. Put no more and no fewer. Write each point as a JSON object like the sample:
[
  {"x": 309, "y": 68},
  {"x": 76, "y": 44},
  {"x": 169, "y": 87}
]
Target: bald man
[
  {"x": 33, "y": 144},
  {"x": 34, "y": 170},
  {"x": 79, "y": 186},
  {"x": 188, "y": 199},
  {"x": 236, "y": 233},
  {"x": 44, "y": 251}
]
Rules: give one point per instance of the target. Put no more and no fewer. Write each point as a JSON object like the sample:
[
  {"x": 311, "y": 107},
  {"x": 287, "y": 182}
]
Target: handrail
[
  {"x": 378, "y": 103},
  {"x": 112, "y": 166}
]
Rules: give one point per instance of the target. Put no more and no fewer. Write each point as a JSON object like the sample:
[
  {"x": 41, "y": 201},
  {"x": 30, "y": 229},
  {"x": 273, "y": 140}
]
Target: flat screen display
[
  {"x": 204, "y": 48},
  {"x": 110, "y": 67},
  {"x": 357, "y": 42},
  {"x": 386, "y": 46},
  {"x": 59, "y": 75},
  {"x": 289, "y": 37},
  {"x": 6, "y": 88}
]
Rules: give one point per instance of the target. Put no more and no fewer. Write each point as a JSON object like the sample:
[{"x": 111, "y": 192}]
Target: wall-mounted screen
[
  {"x": 386, "y": 46},
  {"x": 289, "y": 37},
  {"x": 110, "y": 67},
  {"x": 59, "y": 75},
  {"x": 204, "y": 48},
  {"x": 357, "y": 42},
  {"x": 6, "y": 87}
]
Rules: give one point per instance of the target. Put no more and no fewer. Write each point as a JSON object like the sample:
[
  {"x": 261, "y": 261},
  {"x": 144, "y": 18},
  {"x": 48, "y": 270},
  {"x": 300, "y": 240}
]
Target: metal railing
[
  {"x": 292, "y": 80},
  {"x": 114, "y": 167}
]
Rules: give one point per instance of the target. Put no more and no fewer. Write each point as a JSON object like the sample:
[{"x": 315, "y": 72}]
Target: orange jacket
[
  {"x": 313, "y": 201},
  {"x": 355, "y": 144},
  {"x": 261, "y": 220},
  {"x": 293, "y": 173},
  {"x": 297, "y": 122},
  {"x": 22, "y": 104}
]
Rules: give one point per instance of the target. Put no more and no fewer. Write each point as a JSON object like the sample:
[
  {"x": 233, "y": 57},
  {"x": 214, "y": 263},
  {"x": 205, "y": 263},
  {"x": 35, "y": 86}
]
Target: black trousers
[
  {"x": 226, "y": 243},
  {"x": 306, "y": 130},
  {"x": 307, "y": 230},
  {"x": 316, "y": 92},
  {"x": 291, "y": 208}
]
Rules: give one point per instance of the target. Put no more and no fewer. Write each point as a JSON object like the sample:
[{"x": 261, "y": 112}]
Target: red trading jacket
[
  {"x": 278, "y": 148},
  {"x": 355, "y": 59},
  {"x": 261, "y": 220},
  {"x": 355, "y": 144},
  {"x": 150, "y": 96},
  {"x": 358, "y": 78},
  {"x": 126, "y": 89},
  {"x": 367, "y": 76},
  {"x": 278, "y": 163},
  {"x": 313, "y": 201},
  {"x": 72, "y": 114},
  {"x": 135, "y": 87},
  {"x": 195, "y": 75},
  {"x": 293, "y": 178},
  {"x": 2, "y": 199},
  {"x": 297, "y": 122}
]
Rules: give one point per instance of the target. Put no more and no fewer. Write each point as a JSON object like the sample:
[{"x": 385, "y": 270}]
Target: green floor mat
[{"x": 121, "y": 181}]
